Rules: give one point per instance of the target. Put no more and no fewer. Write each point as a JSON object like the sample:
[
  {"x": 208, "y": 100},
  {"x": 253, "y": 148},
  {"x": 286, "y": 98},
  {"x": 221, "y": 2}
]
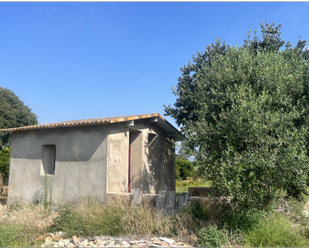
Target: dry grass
[
  {"x": 32, "y": 221},
  {"x": 120, "y": 218},
  {"x": 299, "y": 217}
]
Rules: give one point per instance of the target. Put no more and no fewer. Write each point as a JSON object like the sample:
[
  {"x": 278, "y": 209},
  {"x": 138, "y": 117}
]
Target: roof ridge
[{"x": 84, "y": 122}]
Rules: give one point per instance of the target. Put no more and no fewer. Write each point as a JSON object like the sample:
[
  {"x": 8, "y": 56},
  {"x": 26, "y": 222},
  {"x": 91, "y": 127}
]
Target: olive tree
[{"x": 244, "y": 111}]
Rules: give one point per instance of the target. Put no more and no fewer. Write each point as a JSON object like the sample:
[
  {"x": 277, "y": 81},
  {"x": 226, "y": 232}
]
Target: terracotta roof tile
[
  {"x": 164, "y": 124},
  {"x": 83, "y": 122}
]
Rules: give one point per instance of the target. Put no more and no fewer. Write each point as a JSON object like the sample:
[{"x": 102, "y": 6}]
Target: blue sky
[{"x": 70, "y": 61}]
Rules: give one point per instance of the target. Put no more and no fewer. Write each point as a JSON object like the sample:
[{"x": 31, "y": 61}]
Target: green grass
[
  {"x": 9, "y": 235},
  {"x": 182, "y": 186},
  {"x": 275, "y": 231}
]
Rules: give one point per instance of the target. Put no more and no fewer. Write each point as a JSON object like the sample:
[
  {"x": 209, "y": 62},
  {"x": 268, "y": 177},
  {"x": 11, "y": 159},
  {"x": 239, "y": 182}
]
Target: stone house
[{"x": 92, "y": 157}]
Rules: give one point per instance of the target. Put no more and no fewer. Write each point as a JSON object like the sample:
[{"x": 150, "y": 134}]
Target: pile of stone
[{"x": 59, "y": 240}]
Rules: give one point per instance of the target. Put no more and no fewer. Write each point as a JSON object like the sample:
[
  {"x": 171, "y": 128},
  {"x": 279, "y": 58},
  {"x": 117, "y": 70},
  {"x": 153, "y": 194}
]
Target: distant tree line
[{"x": 13, "y": 113}]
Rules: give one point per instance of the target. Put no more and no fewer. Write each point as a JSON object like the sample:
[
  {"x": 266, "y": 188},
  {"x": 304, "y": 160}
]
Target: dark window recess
[{"x": 48, "y": 159}]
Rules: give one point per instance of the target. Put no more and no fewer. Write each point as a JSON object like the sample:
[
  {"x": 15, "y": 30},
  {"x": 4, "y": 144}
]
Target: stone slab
[
  {"x": 160, "y": 203},
  {"x": 170, "y": 202},
  {"x": 179, "y": 201},
  {"x": 137, "y": 195}
]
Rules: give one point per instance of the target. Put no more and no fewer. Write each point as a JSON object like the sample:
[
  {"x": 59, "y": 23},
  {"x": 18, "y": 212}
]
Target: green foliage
[
  {"x": 64, "y": 217},
  {"x": 9, "y": 234},
  {"x": 182, "y": 187},
  {"x": 245, "y": 114},
  {"x": 13, "y": 113},
  {"x": 184, "y": 168},
  {"x": 242, "y": 220},
  {"x": 210, "y": 236},
  {"x": 274, "y": 232},
  {"x": 5, "y": 164},
  {"x": 199, "y": 211},
  {"x": 191, "y": 184}
]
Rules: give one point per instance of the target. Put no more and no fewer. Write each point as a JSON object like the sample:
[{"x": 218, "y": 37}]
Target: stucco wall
[
  {"x": 159, "y": 172},
  {"x": 118, "y": 157},
  {"x": 152, "y": 164},
  {"x": 91, "y": 161},
  {"x": 80, "y": 167}
]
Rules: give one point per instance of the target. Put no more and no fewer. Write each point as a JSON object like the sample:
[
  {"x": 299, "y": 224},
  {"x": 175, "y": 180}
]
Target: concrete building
[{"x": 91, "y": 158}]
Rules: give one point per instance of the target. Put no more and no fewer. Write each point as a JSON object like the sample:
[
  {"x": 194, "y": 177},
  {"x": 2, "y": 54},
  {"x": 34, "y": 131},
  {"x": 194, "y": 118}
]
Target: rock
[
  {"x": 132, "y": 242},
  {"x": 170, "y": 202},
  {"x": 179, "y": 202},
  {"x": 170, "y": 241},
  {"x": 279, "y": 210},
  {"x": 136, "y": 197},
  {"x": 165, "y": 244},
  {"x": 84, "y": 243},
  {"x": 75, "y": 240},
  {"x": 118, "y": 242},
  {"x": 61, "y": 243},
  {"x": 57, "y": 237},
  {"x": 160, "y": 203},
  {"x": 104, "y": 242},
  {"x": 66, "y": 242},
  {"x": 48, "y": 241},
  {"x": 98, "y": 241},
  {"x": 125, "y": 244},
  {"x": 60, "y": 233},
  {"x": 109, "y": 241}
]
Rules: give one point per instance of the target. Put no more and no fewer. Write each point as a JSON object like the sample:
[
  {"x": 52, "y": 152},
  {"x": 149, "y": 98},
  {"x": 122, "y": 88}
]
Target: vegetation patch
[{"x": 275, "y": 231}]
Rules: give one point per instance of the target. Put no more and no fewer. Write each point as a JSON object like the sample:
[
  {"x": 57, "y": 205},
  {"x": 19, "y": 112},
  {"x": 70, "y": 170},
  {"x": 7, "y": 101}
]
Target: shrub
[
  {"x": 5, "y": 164},
  {"x": 184, "y": 168},
  {"x": 211, "y": 237},
  {"x": 242, "y": 220},
  {"x": 274, "y": 232},
  {"x": 244, "y": 112},
  {"x": 65, "y": 216}
]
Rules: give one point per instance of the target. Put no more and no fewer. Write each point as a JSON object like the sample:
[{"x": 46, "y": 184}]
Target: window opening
[{"x": 49, "y": 159}]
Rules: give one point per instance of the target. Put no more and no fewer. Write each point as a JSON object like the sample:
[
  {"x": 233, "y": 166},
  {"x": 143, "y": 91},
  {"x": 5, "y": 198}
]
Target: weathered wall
[
  {"x": 91, "y": 161},
  {"x": 118, "y": 157},
  {"x": 80, "y": 167},
  {"x": 159, "y": 172},
  {"x": 152, "y": 163},
  {"x": 137, "y": 150}
]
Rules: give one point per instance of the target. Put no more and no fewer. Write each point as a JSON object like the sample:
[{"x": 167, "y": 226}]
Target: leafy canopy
[
  {"x": 13, "y": 113},
  {"x": 184, "y": 168},
  {"x": 244, "y": 111}
]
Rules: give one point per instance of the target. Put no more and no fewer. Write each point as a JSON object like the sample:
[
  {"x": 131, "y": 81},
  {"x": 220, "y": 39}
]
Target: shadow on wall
[
  {"x": 28, "y": 144},
  {"x": 160, "y": 173}
]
